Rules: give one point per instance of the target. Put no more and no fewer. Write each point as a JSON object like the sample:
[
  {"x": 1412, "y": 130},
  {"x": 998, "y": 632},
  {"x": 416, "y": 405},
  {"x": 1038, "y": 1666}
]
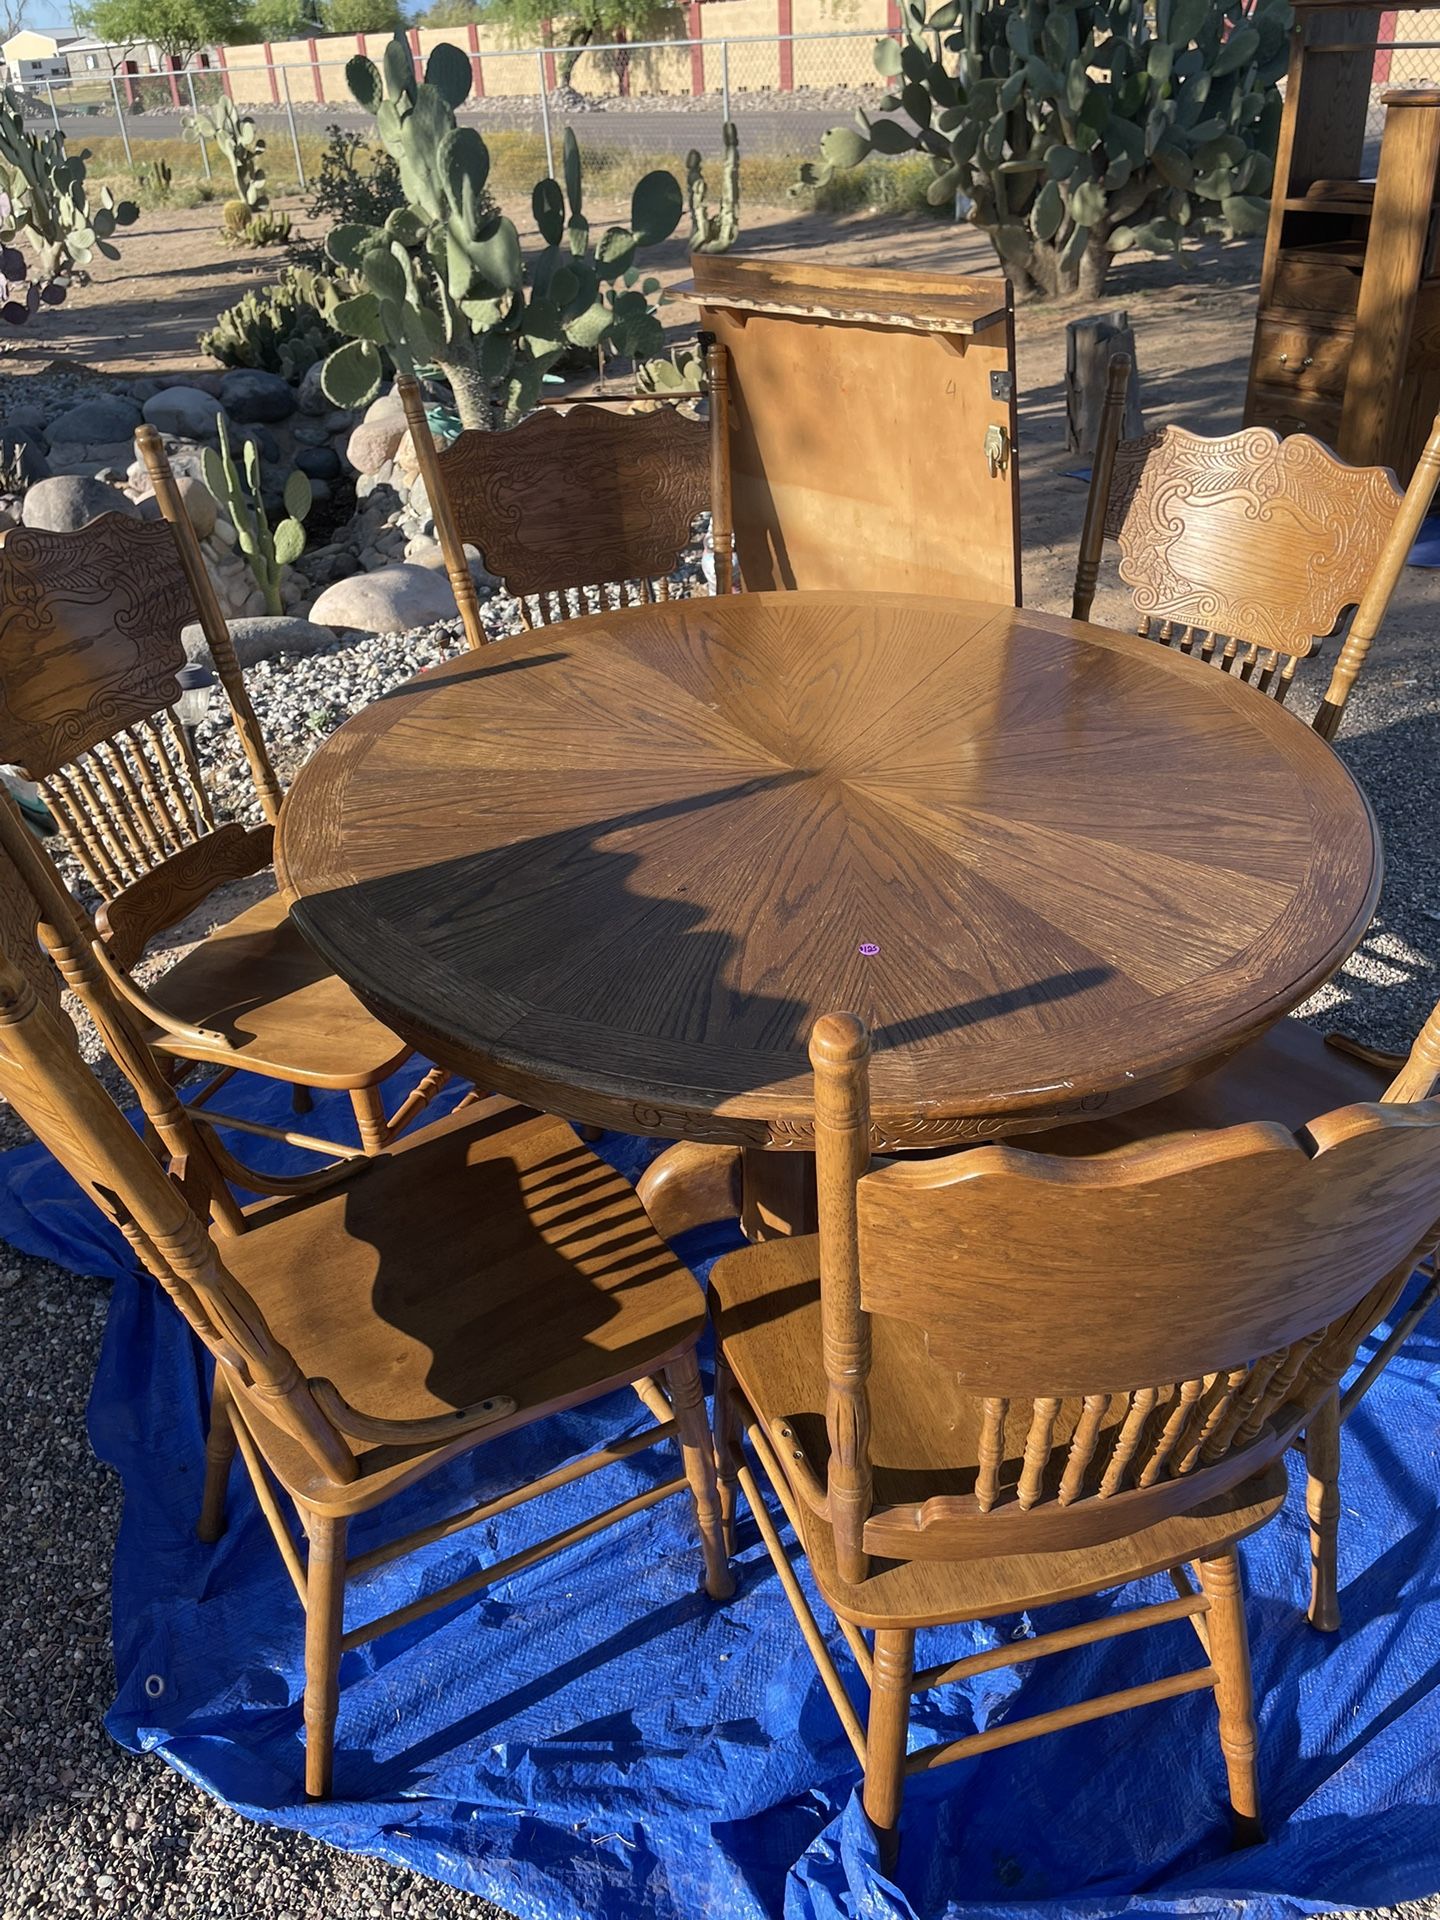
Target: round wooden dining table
[{"x": 617, "y": 867}]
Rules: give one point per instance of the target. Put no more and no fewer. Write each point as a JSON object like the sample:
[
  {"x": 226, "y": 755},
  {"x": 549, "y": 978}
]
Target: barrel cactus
[
  {"x": 1077, "y": 129},
  {"x": 444, "y": 280},
  {"x": 50, "y": 228}
]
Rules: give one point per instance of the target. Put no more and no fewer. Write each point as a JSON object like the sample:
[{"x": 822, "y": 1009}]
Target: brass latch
[{"x": 997, "y": 450}]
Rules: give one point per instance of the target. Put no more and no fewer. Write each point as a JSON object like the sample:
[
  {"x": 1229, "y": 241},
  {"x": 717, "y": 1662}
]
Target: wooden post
[
  {"x": 174, "y": 82},
  {"x": 225, "y": 80},
  {"x": 784, "y": 26},
  {"x": 316, "y": 69},
  {"x": 477, "y": 68},
  {"x": 1090, "y": 346},
  {"x": 270, "y": 69}
]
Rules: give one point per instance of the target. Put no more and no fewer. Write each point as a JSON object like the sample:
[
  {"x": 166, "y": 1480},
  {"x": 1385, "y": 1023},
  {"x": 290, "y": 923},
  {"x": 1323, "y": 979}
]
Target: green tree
[
  {"x": 581, "y": 23},
  {"x": 454, "y": 13},
  {"x": 179, "y": 28},
  {"x": 362, "y": 16},
  {"x": 284, "y": 19}
]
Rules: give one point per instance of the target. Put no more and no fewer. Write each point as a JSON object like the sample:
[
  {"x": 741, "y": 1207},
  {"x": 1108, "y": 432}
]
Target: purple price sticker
[{"x": 869, "y": 949}]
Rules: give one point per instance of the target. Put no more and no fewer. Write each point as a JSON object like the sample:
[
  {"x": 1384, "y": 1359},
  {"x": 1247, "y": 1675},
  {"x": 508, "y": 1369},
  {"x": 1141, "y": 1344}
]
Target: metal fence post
[
  {"x": 294, "y": 136},
  {"x": 195, "y": 117},
  {"x": 54, "y": 110},
  {"x": 725, "y": 79},
  {"x": 545, "y": 112},
  {"x": 120, "y": 118}
]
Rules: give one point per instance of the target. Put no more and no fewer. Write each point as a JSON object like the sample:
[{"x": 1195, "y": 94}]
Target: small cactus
[
  {"x": 282, "y": 329},
  {"x": 444, "y": 279},
  {"x": 714, "y": 232},
  {"x": 156, "y": 178},
  {"x": 239, "y": 498},
  {"x": 680, "y": 372}
]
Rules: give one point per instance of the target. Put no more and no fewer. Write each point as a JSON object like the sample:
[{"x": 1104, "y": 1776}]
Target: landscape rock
[
  {"x": 22, "y": 457},
  {"x": 321, "y": 463},
  {"x": 251, "y": 396},
  {"x": 186, "y": 411},
  {"x": 266, "y": 444},
  {"x": 373, "y": 443},
  {"x": 28, "y": 419},
  {"x": 104, "y": 418},
  {"x": 390, "y": 600},
  {"x": 69, "y": 501},
  {"x": 199, "y": 504},
  {"x": 382, "y": 407},
  {"x": 310, "y": 397}
]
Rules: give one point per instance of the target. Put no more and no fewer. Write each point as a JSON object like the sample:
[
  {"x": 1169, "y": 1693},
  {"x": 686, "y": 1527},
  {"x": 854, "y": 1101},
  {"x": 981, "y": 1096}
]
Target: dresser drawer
[
  {"x": 1316, "y": 414},
  {"x": 1321, "y": 287},
  {"x": 1303, "y": 360}
]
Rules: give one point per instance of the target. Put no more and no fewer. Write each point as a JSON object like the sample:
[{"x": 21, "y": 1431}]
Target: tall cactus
[
  {"x": 238, "y": 138},
  {"x": 238, "y": 497},
  {"x": 714, "y": 232},
  {"x": 1078, "y": 129},
  {"x": 45, "y": 208},
  {"x": 444, "y": 279}
]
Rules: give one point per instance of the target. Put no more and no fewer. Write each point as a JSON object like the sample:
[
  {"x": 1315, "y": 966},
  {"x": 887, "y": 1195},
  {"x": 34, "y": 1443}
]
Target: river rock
[
  {"x": 70, "y": 501},
  {"x": 251, "y": 395},
  {"x": 321, "y": 463},
  {"x": 22, "y": 457},
  {"x": 186, "y": 412},
  {"x": 390, "y": 600},
  {"x": 103, "y": 419},
  {"x": 373, "y": 442},
  {"x": 261, "y": 637}
]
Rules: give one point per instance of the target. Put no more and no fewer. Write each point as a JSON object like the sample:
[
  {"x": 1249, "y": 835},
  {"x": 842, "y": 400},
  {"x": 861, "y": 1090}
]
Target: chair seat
[
  {"x": 1289, "y": 1075},
  {"x": 765, "y": 1301},
  {"x": 475, "y": 1259},
  {"x": 281, "y": 1011}
]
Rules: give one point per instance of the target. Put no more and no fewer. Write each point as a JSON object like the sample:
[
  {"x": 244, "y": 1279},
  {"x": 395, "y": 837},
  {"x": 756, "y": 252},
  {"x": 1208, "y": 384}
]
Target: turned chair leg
[
  {"x": 301, "y": 1099},
  {"x": 370, "y": 1119},
  {"x": 728, "y": 1459},
  {"x": 682, "y": 1376},
  {"x": 885, "y": 1736},
  {"x": 1234, "y": 1690},
  {"x": 1322, "y": 1504},
  {"x": 324, "y": 1620},
  {"x": 219, "y": 1452}
]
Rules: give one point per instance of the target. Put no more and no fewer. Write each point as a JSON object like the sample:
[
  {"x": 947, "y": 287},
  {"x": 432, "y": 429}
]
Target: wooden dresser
[{"x": 1347, "y": 338}]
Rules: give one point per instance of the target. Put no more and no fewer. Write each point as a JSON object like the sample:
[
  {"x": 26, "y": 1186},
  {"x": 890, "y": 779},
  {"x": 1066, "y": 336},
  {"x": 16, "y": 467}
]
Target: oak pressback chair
[
  {"x": 366, "y": 1337},
  {"x": 995, "y": 1380},
  {"x": 585, "y": 497},
  {"x": 1246, "y": 549},
  {"x": 1287, "y": 1076},
  {"x": 90, "y": 651}
]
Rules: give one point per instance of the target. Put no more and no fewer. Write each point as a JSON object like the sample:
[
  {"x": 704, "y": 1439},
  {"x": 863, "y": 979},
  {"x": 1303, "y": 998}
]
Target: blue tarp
[{"x": 595, "y": 1738}]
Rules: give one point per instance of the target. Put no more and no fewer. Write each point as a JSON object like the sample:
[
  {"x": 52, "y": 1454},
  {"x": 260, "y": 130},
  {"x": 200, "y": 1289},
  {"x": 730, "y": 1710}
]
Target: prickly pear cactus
[
  {"x": 714, "y": 232},
  {"x": 1077, "y": 129},
  {"x": 444, "y": 280},
  {"x": 46, "y": 211},
  {"x": 281, "y": 329},
  {"x": 237, "y": 137},
  {"x": 238, "y": 497}
]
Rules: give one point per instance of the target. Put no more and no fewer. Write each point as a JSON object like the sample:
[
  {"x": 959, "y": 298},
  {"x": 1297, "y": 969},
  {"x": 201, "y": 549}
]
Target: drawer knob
[{"x": 1284, "y": 358}]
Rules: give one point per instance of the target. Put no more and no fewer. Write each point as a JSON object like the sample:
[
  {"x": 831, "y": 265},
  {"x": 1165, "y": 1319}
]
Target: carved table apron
[{"x": 617, "y": 868}]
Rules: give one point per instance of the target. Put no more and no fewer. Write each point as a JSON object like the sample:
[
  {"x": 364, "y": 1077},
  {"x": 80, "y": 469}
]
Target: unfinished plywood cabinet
[
  {"x": 872, "y": 426},
  {"x": 1347, "y": 341}
]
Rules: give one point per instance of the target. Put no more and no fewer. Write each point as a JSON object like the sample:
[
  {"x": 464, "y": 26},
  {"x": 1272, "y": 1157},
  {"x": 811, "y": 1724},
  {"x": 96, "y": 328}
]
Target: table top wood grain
[{"x": 618, "y": 868}]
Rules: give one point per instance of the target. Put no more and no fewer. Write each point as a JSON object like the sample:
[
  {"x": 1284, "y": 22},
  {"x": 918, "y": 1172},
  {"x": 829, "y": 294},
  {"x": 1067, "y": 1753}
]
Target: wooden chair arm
[
  {"x": 142, "y": 1003},
  {"x": 407, "y": 1433}
]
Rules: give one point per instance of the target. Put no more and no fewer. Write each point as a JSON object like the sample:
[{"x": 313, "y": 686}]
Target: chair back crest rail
[
  {"x": 1245, "y": 549},
  {"x": 580, "y": 501},
  {"x": 1134, "y": 1335},
  {"x": 45, "y": 1080},
  {"x": 90, "y": 650}
]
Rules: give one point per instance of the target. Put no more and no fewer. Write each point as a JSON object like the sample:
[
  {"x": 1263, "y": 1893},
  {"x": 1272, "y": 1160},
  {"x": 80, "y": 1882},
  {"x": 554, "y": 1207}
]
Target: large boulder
[
  {"x": 390, "y": 600},
  {"x": 186, "y": 413},
  {"x": 373, "y": 442},
  {"x": 70, "y": 501},
  {"x": 98, "y": 421},
  {"x": 199, "y": 504},
  {"x": 22, "y": 457},
  {"x": 250, "y": 395},
  {"x": 261, "y": 637}
]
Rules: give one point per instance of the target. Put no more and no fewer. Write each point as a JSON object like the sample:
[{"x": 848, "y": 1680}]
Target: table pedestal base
[{"x": 691, "y": 1184}]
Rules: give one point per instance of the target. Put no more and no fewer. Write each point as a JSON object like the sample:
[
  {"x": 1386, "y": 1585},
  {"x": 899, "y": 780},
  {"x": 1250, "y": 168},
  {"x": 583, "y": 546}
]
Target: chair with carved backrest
[
  {"x": 584, "y": 498},
  {"x": 996, "y": 1380},
  {"x": 366, "y": 1337},
  {"x": 90, "y": 649},
  {"x": 1288, "y": 1075},
  {"x": 1245, "y": 550}
]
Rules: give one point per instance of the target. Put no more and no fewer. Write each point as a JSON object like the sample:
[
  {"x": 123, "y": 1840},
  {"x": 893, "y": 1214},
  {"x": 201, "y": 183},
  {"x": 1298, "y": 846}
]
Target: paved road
[{"x": 794, "y": 130}]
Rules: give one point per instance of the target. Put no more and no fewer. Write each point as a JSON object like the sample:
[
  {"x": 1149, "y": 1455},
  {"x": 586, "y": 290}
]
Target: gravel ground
[{"x": 87, "y": 1828}]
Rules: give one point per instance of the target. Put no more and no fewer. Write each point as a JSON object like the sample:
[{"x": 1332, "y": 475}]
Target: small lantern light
[{"x": 196, "y": 684}]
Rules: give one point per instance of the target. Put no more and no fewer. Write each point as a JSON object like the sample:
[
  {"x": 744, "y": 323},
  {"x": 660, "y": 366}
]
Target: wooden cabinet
[
  {"x": 872, "y": 426},
  {"x": 1347, "y": 342}
]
